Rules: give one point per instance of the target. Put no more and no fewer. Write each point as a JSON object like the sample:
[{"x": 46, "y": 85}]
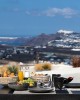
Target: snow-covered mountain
[
  {"x": 68, "y": 39},
  {"x": 65, "y": 31},
  {"x": 62, "y": 38}
]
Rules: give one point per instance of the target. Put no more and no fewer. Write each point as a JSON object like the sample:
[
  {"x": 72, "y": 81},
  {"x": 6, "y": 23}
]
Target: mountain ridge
[{"x": 43, "y": 39}]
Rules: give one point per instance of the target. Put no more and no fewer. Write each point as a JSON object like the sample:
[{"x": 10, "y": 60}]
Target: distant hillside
[
  {"x": 42, "y": 39},
  {"x": 13, "y": 41},
  {"x": 4, "y": 47},
  {"x": 61, "y": 38},
  {"x": 68, "y": 39}
]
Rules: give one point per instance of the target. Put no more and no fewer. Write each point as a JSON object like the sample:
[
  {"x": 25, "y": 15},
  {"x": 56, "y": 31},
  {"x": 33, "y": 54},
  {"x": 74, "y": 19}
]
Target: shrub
[
  {"x": 38, "y": 67},
  {"x": 45, "y": 66},
  {"x": 76, "y": 61},
  {"x": 13, "y": 69}
]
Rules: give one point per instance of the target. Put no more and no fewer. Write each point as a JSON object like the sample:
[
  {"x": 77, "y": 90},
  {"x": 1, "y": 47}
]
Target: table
[{"x": 68, "y": 94}]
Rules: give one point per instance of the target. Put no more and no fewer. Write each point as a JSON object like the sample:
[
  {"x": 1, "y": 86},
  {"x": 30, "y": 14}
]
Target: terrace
[{"x": 56, "y": 68}]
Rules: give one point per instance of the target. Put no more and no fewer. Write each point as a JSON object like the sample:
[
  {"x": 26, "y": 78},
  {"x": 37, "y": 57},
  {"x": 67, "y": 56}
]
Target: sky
[{"x": 33, "y": 17}]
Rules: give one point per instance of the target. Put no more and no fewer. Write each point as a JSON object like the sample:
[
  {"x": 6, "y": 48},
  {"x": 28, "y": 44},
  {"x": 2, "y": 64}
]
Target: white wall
[{"x": 64, "y": 70}]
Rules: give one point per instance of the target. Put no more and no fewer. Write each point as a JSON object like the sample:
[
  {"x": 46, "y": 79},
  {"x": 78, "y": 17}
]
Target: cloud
[
  {"x": 33, "y": 12},
  {"x": 15, "y": 10},
  {"x": 6, "y": 9},
  {"x": 28, "y": 13},
  {"x": 66, "y": 12},
  {"x": 51, "y": 12}
]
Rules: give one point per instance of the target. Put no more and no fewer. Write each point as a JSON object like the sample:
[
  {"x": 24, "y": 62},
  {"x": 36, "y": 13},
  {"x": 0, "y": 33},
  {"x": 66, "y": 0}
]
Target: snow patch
[{"x": 65, "y": 31}]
